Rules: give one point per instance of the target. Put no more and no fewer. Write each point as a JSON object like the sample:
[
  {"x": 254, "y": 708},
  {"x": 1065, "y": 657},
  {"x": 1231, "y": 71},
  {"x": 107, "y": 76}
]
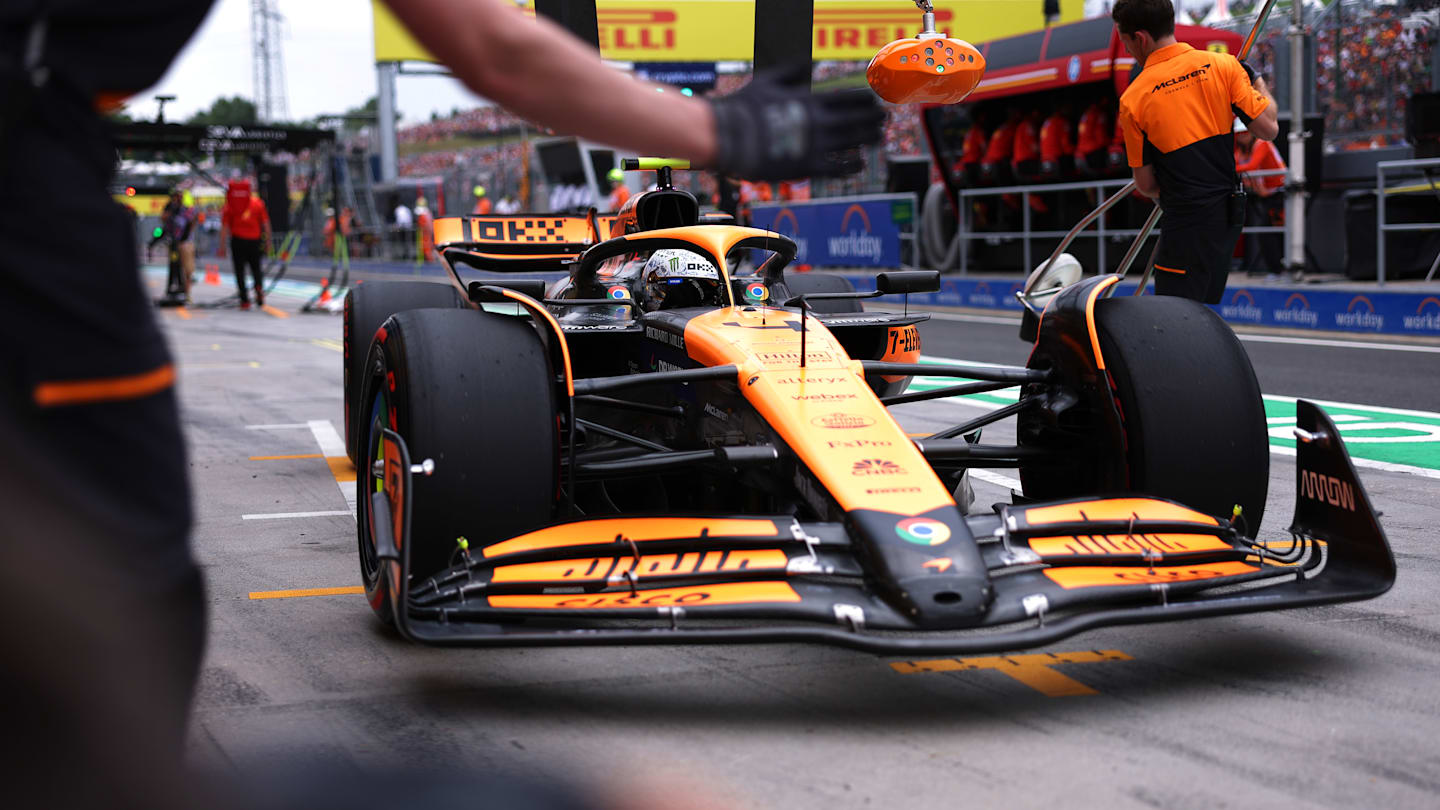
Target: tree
[{"x": 235, "y": 111}]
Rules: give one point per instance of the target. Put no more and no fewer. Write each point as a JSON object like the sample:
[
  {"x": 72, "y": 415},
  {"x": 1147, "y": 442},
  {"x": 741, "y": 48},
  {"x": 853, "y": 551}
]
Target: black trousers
[
  {"x": 1195, "y": 250},
  {"x": 95, "y": 464},
  {"x": 247, "y": 253}
]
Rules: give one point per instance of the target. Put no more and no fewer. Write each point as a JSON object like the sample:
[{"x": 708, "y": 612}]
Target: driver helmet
[{"x": 680, "y": 278}]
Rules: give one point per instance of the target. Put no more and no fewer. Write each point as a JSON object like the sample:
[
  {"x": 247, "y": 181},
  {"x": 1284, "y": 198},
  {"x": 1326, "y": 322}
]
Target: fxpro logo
[
  {"x": 1327, "y": 489},
  {"x": 1304, "y": 315},
  {"x": 855, "y": 244},
  {"x": 1242, "y": 310},
  {"x": 1423, "y": 320},
  {"x": 1355, "y": 318},
  {"x": 1200, "y": 71}
]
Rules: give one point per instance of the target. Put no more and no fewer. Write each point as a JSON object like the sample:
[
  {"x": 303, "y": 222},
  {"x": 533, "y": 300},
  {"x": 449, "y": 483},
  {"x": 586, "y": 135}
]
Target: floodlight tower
[{"x": 268, "y": 61}]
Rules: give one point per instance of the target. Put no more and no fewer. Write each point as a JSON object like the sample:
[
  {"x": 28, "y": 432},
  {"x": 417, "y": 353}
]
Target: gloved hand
[
  {"x": 775, "y": 129},
  {"x": 1249, "y": 71}
]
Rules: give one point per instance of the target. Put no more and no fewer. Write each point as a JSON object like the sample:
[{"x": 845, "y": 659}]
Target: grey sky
[{"x": 329, "y": 64}]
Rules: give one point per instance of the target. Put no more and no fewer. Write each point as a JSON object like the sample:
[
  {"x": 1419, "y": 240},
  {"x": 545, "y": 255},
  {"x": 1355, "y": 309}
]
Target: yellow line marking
[
  {"x": 343, "y": 591},
  {"x": 183, "y": 313},
  {"x": 1033, "y": 670},
  {"x": 285, "y": 458},
  {"x": 341, "y": 468},
  {"x": 275, "y": 313},
  {"x": 327, "y": 343},
  {"x": 918, "y": 435}
]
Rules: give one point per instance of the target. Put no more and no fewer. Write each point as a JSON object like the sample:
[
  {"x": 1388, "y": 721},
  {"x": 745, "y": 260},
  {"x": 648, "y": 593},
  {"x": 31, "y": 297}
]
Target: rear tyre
[
  {"x": 366, "y": 307},
  {"x": 475, "y": 393},
  {"x": 806, "y": 283},
  {"x": 1193, "y": 417}
]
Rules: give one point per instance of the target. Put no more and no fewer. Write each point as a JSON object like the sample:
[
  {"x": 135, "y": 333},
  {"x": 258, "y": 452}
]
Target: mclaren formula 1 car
[{"x": 677, "y": 441}]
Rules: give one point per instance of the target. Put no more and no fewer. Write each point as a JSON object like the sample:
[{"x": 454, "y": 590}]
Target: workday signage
[
  {"x": 1284, "y": 307},
  {"x": 859, "y": 231},
  {"x": 1334, "y": 310}
]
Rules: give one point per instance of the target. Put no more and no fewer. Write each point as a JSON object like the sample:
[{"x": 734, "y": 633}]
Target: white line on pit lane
[
  {"x": 1295, "y": 341},
  {"x": 284, "y": 515},
  {"x": 289, "y": 426}
]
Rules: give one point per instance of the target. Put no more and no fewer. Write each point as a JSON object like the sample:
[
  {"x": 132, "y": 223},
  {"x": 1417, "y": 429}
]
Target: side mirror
[
  {"x": 533, "y": 287},
  {"x": 1042, "y": 285},
  {"x": 908, "y": 281}
]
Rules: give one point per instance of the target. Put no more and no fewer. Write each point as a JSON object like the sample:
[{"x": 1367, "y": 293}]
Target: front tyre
[
  {"x": 366, "y": 307},
  {"x": 1190, "y": 404},
  {"x": 474, "y": 392}
]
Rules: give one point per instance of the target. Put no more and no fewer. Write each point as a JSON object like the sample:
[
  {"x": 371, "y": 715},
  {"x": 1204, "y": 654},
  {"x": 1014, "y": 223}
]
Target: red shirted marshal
[
  {"x": 1027, "y": 141},
  {"x": 1055, "y": 138},
  {"x": 1263, "y": 156},
  {"x": 246, "y": 218},
  {"x": 1002, "y": 143}
]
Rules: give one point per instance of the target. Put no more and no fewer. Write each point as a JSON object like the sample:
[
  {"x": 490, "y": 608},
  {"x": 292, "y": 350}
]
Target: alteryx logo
[{"x": 854, "y": 243}]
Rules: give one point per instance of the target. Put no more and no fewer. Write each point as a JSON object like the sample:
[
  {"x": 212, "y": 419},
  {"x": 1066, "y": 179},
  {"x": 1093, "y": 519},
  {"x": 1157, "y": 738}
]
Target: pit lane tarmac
[{"x": 1331, "y": 707}]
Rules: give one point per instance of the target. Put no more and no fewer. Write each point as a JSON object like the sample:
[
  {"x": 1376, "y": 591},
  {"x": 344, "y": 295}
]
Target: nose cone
[
  {"x": 932, "y": 70},
  {"x": 928, "y": 566}
]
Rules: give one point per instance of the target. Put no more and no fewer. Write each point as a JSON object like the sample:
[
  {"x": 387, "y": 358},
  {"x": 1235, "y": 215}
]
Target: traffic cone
[
  {"x": 212, "y": 273},
  {"x": 324, "y": 294}
]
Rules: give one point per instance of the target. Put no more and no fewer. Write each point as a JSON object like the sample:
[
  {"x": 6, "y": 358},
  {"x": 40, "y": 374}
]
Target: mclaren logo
[
  {"x": 1200, "y": 71},
  {"x": 1327, "y": 489}
]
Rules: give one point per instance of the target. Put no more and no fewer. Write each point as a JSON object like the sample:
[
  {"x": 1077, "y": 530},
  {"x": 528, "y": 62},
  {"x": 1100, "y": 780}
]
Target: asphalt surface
[{"x": 1332, "y": 707}]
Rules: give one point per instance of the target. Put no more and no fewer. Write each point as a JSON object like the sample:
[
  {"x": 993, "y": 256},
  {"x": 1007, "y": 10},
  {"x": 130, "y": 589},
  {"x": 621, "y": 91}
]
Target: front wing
[{"x": 1056, "y": 570}]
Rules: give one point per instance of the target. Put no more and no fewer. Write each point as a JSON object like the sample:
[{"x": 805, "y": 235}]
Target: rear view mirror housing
[{"x": 908, "y": 281}]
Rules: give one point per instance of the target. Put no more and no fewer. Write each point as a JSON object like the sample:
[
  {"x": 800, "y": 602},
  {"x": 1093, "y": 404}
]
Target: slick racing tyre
[
  {"x": 366, "y": 307},
  {"x": 1193, "y": 417},
  {"x": 474, "y": 393},
  {"x": 806, "y": 283}
]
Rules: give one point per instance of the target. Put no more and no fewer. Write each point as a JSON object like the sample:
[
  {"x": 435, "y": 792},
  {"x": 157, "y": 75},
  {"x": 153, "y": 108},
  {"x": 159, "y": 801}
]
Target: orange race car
[{"x": 677, "y": 442}]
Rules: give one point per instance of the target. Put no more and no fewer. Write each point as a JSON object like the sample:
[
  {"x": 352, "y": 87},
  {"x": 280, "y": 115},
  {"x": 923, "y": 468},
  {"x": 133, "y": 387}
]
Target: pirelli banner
[{"x": 724, "y": 30}]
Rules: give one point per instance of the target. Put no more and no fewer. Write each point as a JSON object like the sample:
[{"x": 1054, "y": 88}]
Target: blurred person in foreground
[
  {"x": 1176, "y": 116},
  {"x": 88, "y": 380}
]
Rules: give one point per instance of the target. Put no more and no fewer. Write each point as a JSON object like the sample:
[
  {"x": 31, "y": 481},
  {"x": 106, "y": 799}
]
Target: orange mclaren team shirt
[
  {"x": 1177, "y": 117},
  {"x": 1263, "y": 156}
]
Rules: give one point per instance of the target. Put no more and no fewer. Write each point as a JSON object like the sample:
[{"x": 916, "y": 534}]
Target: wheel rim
[{"x": 371, "y": 483}]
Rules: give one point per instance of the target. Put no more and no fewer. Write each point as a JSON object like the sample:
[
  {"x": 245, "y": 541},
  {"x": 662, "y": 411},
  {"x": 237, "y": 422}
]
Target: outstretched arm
[
  {"x": 773, "y": 129},
  {"x": 538, "y": 70}
]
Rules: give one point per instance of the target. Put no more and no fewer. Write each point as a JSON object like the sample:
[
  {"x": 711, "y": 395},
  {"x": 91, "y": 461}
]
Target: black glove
[
  {"x": 1249, "y": 71},
  {"x": 775, "y": 129}
]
